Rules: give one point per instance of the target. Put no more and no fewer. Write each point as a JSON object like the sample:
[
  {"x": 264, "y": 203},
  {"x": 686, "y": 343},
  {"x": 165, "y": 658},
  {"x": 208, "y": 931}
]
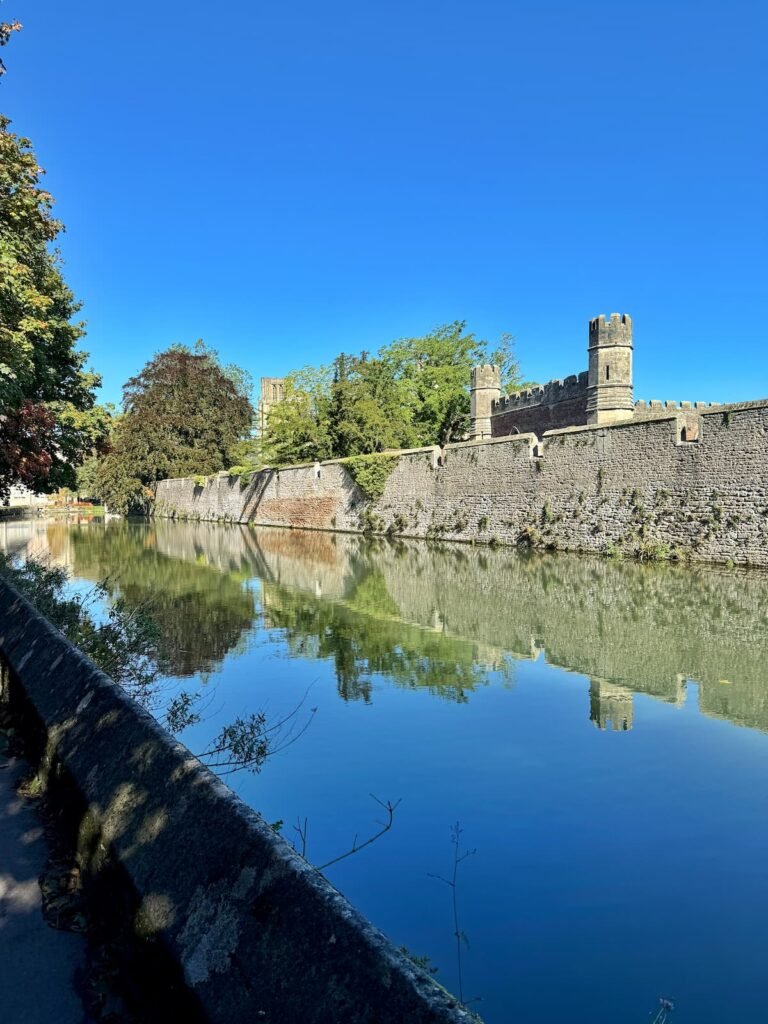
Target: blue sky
[{"x": 287, "y": 180}]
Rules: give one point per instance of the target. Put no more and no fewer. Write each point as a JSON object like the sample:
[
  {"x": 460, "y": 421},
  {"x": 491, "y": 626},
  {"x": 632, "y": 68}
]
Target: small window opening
[{"x": 607, "y": 373}]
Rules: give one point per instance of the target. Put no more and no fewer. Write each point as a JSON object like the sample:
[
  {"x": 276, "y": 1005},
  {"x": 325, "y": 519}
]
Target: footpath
[{"x": 39, "y": 965}]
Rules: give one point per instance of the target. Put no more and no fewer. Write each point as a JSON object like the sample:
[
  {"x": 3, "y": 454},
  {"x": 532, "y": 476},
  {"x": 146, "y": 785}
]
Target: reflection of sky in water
[{"x": 583, "y": 721}]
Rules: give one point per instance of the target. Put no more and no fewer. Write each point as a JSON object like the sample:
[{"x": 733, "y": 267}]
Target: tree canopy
[
  {"x": 182, "y": 416},
  {"x": 45, "y": 390},
  {"x": 413, "y": 392}
]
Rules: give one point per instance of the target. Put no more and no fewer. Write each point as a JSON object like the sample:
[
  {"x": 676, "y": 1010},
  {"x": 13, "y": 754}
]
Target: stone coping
[{"x": 530, "y": 438}]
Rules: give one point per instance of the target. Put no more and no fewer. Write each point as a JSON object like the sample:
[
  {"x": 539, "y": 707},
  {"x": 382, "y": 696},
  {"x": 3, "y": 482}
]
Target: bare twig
[
  {"x": 452, "y": 883},
  {"x": 390, "y": 809},
  {"x": 301, "y": 830}
]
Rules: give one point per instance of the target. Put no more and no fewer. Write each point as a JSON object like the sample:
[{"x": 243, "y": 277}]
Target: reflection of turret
[{"x": 610, "y": 706}]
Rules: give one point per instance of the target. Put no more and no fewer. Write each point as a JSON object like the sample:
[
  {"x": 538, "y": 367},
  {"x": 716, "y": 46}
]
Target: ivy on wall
[{"x": 371, "y": 472}]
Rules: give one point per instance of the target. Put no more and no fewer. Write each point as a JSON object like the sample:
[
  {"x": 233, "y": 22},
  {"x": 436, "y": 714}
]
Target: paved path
[{"x": 38, "y": 964}]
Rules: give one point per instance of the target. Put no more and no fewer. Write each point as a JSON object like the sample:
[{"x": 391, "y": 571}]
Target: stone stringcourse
[{"x": 257, "y": 932}]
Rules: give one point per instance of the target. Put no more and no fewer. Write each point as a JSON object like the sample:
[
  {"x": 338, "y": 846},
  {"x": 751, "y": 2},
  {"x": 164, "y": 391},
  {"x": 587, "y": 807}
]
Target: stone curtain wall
[
  {"x": 256, "y": 931},
  {"x": 555, "y": 405},
  {"x": 632, "y": 486}
]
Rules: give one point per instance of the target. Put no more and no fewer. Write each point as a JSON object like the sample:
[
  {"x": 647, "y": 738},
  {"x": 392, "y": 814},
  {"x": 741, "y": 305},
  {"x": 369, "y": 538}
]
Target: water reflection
[
  {"x": 436, "y": 617},
  {"x": 641, "y": 848}
]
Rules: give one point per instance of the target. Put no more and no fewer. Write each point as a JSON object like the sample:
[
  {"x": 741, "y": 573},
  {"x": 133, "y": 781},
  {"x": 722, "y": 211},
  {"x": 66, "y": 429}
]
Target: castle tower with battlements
[
  {"x": 609, "y": 388},
  {"x": 602, "y": 394},
  {"x": 485, "y": 389}
]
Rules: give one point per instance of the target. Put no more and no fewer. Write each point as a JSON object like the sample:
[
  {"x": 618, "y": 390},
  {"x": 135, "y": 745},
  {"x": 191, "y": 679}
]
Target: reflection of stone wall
[
  {"x": 309, "y": 559},
  {"x": 628, "y": 627},
  {"x": 636, "y": 486}
]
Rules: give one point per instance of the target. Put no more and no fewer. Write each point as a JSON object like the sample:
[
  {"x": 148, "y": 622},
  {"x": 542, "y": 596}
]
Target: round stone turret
[
  {"x": 609, "y": 390},
  {"x": 484, "y": 390}
]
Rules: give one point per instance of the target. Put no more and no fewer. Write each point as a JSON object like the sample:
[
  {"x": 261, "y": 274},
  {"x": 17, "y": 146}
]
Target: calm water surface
[{"x": 600, "y": 731}]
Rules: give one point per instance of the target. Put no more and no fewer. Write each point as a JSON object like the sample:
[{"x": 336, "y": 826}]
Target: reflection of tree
[
  {"x": 364, "y": 635},
  {"x": 201, "y": 613}
]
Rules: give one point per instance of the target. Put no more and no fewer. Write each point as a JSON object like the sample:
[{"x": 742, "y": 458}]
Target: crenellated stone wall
[
  {"x": 680, "y": 483},
  {"x": 551, "y": 406}
]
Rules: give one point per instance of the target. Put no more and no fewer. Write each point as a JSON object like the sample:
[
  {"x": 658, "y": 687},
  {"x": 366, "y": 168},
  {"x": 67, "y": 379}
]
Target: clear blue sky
[{"x": 287, "y": 180}]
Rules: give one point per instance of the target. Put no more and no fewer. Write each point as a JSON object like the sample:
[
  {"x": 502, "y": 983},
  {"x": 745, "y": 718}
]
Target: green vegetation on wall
[{"x": 371, "y": 472}]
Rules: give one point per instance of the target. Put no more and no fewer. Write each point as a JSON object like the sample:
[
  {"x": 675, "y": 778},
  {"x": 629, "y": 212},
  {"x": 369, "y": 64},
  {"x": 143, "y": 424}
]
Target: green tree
[
  {"x": 434, "y": 376},
  {"x": 299, "y": 427},
  {"x": 414, "y": 392},
  {"x": 435, "y": 370},
  {"x": 505, "y": 357},
  {"x": 7, "y": 28},
  {"x": 44, "y": 386},
  {"x": 183, "y": 414},
  {"x": 368, "y": 409}
]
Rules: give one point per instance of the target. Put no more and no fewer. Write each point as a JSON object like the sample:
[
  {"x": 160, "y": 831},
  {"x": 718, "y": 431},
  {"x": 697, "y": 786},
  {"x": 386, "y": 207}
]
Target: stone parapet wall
[
  {"x": 649, "y": 410},
  {"x": 634, "y": 486},
  {"x": 257, "y": 932},
  {"x": 559, "y": 403}
]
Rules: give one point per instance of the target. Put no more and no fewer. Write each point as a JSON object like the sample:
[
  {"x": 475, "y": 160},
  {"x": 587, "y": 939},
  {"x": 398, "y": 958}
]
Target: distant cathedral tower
[
  {"x": 272, "y": 393},
  {"x": 609, "y": 391},
  {"x": 484, "y": 389}
]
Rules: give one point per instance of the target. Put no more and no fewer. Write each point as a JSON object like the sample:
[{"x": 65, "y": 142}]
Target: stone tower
[
  {"x": 272, "y": 393},
  {"x": 609, "y": 391},
  {"x": 484, "y": 389}
]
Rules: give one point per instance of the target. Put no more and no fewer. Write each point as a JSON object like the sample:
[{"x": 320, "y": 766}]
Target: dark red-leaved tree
[{"x": 183, "y": 415}]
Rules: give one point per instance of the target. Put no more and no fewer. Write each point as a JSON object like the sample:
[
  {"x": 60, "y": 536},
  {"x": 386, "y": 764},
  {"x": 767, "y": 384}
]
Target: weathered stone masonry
[
  {"x": 598, "y": 396},
  {"x": 636, "y": 485}
]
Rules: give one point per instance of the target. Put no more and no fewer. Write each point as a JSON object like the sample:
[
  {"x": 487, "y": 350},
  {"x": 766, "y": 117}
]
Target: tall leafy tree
[
  {"x": 44, "y": 386},
  {"x": 415, "y": 391},
  {"x": 369, "y": 410},
  {"x": 435, "y": 371},
  {"x": 182, "y": 415}
]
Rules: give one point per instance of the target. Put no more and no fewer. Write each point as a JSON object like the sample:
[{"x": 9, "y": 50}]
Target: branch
[{"x": 390, "y": 808}]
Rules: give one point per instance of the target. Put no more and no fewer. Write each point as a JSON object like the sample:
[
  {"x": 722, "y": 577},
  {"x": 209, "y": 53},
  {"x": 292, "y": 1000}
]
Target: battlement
[
  {"x": 657, "y": 408},
  {"x": 551, "y": 393},
  {"x": 488, "y": 375},
  {"x": 613, "y": 330}
]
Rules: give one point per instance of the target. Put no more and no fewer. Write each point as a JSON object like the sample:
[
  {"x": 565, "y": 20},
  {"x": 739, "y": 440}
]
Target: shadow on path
[{"x": 38, "y": 964}]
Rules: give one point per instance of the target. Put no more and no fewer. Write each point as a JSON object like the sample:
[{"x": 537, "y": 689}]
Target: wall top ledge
[
  {"x": 758, "y": 403},
  {"x": 474, "y": 442},
  {"x": 591, "y": 427}
]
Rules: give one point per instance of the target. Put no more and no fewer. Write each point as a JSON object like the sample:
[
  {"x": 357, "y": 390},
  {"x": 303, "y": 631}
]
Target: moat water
[{"x": 598, "y": 729}]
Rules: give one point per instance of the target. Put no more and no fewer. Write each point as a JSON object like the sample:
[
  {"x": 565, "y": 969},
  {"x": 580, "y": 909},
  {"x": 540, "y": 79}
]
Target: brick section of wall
[{"x": 631, "y": 485}]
